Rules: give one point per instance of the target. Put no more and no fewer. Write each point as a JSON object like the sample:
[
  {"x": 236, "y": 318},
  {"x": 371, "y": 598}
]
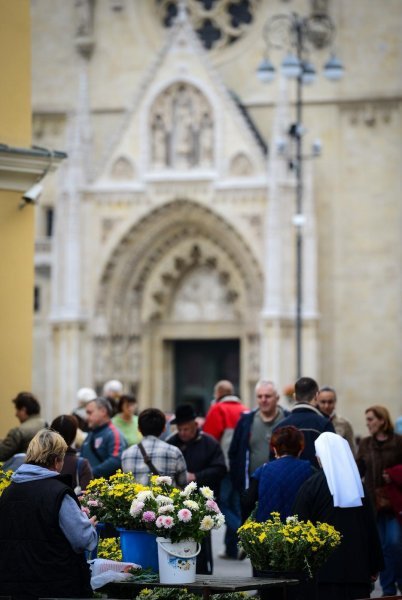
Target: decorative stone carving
[
  {"x": 159, "y": 142},
  {"x": 253, "y": 357},
  {"x": 202, "y": 296},
  {"x": 183, "y": 135},
  {"x": 84, "y": 19},
  {"x": 218, "y": 24},
  {"x": 182, "y": 132},
  {"x": 206, "y": 141},
  {"x": 370, "y": 114},
  {"x": 122, "y": 169},
  {"x": 241, "y": 165},
  {"x": 108, "y": 225}
]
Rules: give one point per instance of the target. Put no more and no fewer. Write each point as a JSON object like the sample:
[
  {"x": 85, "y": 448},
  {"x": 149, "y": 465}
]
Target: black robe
[{"x": 359, "y": 556}]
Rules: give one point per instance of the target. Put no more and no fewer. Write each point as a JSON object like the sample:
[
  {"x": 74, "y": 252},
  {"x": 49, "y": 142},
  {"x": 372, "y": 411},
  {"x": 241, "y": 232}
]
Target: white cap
[
  {"x": 113, "y": 386},
  {"x": 85, "y": 395}
]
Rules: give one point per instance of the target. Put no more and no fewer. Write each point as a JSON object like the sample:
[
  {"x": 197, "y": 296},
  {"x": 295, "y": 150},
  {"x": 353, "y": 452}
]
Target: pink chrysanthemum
[
  {"x": 211, "y": 504},
  {"x": 149, "y": 516},
  {"x": 184, "y": 515},
  {"x": 168, "y": 522}
]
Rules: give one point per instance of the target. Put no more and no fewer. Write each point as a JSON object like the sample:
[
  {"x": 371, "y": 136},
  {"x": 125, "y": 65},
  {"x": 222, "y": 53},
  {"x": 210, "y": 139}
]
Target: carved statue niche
[
  {"x": 183, "y": 139},
  {"x": 181, "y": 129},
  {"x": 159, "y": 142},
  {"x": 206, "y": 141},
  {"x": 84, "y": 22},
  {"x": 241, "y": 165},
  {"x": 122, "y": 169}
]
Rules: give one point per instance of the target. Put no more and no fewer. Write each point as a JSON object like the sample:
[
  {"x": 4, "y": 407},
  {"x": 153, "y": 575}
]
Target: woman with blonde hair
[
  {"x": 378, "y": 452},
  {"x": 43, "y": 532}
]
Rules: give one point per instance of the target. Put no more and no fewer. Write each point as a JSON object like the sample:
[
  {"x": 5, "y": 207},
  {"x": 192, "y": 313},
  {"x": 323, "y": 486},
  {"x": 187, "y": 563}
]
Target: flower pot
[
  {"x": 177, "y": 561},
  {"x": 139, "y": 547}
]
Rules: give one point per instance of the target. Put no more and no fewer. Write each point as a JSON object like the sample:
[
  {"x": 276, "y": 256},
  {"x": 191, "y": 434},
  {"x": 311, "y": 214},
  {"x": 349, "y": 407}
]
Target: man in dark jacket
[
  {"x": 249, "y": 448},
  {"x": 205, "y": 465},
  {"x": 307, "y": 418}
]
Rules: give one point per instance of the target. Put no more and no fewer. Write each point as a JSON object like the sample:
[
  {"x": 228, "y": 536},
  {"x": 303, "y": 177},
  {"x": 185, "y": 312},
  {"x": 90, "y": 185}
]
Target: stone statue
[
  {"x": 206, "y": 141},
  {"x": 158, "y": 142},
  {"x": 183, "y": 134}
]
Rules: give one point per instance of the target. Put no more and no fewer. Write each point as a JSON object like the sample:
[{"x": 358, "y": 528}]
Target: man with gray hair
[
  {"x": 112, "y": 390},
  {"x": 326, "y": 402},
  {"x": 249, "y": 448},
  {"x": 104, "y": 444}
]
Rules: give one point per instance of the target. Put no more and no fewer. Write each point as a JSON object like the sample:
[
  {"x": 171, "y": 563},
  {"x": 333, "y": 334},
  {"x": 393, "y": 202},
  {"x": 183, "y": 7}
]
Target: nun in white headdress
[{"x": 335, "y": 495}]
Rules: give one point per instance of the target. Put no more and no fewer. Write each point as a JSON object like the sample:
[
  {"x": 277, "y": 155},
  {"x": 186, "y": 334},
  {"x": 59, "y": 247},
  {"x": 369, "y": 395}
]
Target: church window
[{"x": 218, "y": 23}]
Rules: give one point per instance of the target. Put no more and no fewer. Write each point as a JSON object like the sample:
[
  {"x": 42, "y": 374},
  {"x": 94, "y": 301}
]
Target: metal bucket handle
[{"x": 163, "y": 545}]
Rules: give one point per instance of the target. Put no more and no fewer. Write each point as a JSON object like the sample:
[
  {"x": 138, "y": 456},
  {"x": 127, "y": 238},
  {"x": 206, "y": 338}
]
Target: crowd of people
[{"x": 301, "y": 460}]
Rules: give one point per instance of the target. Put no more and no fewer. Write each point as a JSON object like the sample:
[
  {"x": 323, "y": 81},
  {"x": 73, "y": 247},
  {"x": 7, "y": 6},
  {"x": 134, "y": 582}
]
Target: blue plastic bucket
[{"x": 139, "y": 547}]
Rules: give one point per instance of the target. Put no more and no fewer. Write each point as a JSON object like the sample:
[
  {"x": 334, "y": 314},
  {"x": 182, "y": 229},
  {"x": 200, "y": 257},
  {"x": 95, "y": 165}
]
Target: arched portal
[{"x": 181, "y": 273}]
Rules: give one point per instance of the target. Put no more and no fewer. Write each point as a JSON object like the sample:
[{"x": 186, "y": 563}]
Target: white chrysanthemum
[
  {"x": 136, "y": 507},
  {"x": 163, "y": 499},
  {"x": 207, "y": 523},
  {"x": 207, "y": 492},
  {"x": 165, "y": 508},
  {"x": 190, "y": 487},
  {"x": 142, "y": 496},
  {"x": 292, "y": 519},
  {"x": 191, "y": 504},
  {"x": 219, "y": 521},
  {"x": 163, "y": 479}
]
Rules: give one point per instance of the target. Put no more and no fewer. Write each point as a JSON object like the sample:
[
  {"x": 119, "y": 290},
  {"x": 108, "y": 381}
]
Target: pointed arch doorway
[{"x": 199, "y": 364}]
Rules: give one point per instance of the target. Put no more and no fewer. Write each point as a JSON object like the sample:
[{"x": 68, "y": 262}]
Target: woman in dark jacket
[
  {"x": 378, "y": 452},
  {"x": 79, "y": 468},
  {"x": 335, "y": 495},
  {"x": 275, "y": 484}
]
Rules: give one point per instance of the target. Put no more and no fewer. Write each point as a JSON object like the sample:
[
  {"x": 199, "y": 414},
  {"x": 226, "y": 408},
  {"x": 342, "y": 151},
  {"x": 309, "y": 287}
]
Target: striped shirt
[{"x": 167, "y": 459}]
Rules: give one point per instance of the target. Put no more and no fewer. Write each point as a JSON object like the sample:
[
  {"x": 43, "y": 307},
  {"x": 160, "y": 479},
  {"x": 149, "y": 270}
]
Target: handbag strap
[{"x": 147, "y": 460}]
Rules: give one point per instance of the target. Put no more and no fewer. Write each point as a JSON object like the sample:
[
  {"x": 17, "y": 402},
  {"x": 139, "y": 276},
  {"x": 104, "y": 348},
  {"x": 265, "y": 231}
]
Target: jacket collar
[{"x": 307, "y": 406}]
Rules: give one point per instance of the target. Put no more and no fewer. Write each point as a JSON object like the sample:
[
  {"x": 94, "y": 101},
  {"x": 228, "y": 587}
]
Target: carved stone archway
[{"x": 154, "y": 289}]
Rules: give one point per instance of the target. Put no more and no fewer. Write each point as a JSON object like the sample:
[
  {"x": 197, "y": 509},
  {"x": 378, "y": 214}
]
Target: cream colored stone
[{"x": 145, "y": 209}]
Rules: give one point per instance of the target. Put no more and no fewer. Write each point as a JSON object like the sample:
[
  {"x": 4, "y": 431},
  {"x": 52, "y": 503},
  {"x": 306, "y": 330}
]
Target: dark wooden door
[{"x": 199, "y": 364}]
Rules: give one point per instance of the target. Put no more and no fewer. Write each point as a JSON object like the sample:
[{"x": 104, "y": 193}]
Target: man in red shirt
[{"x": 220, "y": 422}]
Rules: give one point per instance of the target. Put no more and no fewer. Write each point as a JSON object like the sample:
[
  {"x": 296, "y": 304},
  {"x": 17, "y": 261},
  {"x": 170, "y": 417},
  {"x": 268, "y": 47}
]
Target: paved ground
[{"x": 226, "y": 568}]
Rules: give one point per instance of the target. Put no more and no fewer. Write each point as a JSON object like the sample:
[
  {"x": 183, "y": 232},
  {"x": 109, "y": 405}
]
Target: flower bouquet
[
  {"x": 177, "y": 514},
  {"x": 291, "y": 546},
  {"x": 110, "y": 500},
  {"x": 5, "y": 480}
]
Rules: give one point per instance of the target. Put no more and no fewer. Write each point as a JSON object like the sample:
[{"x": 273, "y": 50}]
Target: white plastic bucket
[{"x": 177, "y": 561}]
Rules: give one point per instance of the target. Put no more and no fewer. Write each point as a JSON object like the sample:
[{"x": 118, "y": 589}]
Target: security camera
[{"x": 32, "y": 195}]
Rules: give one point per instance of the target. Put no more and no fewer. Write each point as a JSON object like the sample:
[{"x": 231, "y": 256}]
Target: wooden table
[{"x": 206, "y": 584}]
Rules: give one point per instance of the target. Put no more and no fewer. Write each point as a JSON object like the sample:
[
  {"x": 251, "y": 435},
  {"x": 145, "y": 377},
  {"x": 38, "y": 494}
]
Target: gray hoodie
[{"x": 75, "y": 524}]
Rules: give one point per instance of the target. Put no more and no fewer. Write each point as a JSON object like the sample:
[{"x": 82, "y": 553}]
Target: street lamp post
[{"x": 299, "y": 35}]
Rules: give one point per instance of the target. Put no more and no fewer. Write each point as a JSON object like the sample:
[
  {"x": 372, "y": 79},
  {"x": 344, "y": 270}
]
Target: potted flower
[
  {"x": 181, "y": 519},
  {"x": 5, "y": 480},
  {"x": 291, "y": 546},
  {"x": 110, "y": 500}
]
